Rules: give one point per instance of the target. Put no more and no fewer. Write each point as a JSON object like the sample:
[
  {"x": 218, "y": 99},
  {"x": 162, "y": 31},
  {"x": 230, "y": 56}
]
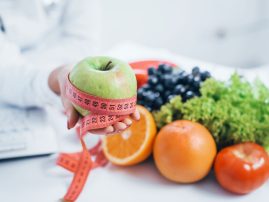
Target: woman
[{"x": 35, "y": 37}]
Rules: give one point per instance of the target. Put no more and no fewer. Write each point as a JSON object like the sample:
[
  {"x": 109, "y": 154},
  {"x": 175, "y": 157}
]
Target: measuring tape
[{"x": 103, "y": 113}]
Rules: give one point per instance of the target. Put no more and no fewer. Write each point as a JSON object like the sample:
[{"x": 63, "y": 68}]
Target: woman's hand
[{"x": 56, "y": 83}]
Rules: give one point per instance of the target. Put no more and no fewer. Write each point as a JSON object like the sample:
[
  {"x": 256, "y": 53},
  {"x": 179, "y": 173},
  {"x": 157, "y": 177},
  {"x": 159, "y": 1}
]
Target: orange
[
  {"x": 184, "y": 151},
  {"x": 134, "y": 144}
]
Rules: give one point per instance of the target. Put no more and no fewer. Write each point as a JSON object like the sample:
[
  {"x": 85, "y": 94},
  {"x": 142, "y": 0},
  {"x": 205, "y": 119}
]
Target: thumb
[{"x": 72, "y": 114}]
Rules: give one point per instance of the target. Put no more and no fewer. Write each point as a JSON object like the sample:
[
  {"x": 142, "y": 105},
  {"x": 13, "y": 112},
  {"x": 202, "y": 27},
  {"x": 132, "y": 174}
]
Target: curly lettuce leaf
[{"x": 234, "y": 111}]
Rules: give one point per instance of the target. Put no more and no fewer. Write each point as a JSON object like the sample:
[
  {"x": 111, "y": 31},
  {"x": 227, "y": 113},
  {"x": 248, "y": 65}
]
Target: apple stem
[{"x": 107, "y": 66}]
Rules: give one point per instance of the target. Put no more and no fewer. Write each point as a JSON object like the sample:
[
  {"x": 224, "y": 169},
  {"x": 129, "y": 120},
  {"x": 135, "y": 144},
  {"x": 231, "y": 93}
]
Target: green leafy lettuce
[{"x": 234, "y": 111}]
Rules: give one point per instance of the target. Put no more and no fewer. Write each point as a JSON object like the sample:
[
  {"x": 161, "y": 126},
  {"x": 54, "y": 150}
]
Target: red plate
[{"x": 141, "y": 69}]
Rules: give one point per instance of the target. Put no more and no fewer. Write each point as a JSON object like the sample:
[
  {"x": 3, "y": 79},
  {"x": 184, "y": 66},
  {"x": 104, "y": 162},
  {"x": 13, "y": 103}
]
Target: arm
[
  {"x": 22, "y": 84},
  {"x": 56, "y": 82},
  {"x": 78, "y": 37},
  {"x": 25, "y": 86}
]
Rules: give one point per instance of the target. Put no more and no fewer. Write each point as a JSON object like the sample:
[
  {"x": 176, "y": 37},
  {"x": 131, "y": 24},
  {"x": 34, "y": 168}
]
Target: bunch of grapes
[{"x": 166, "y": 82}]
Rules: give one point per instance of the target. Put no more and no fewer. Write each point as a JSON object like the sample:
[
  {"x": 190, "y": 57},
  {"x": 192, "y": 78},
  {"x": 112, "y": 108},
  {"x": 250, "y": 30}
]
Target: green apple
[{"x": 104, "y": 77}]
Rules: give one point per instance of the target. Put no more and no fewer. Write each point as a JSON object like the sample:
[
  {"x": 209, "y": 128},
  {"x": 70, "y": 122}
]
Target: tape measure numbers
[{"x": 104, "y": 112}]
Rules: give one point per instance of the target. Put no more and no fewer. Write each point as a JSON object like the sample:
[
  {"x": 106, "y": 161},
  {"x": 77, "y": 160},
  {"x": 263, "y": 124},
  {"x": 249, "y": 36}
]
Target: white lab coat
[{"x": 39, "y": 36}]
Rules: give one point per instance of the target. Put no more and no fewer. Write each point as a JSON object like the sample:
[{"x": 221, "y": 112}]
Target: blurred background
[{"x": 230, "y": 32}]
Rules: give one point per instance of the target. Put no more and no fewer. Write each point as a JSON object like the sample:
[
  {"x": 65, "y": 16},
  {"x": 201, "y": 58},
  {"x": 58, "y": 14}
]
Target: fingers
[
  {"x": 135, "y": 115},
  {"x": 109, "y": 129},
  {"x": 119, "y": 126},
  {"x": 57, "y": 79},
  {"x": 53, "y": 81},
  {"x": 127, "y": 121},
  {"x": 103, "y": 131},
  {"x": 73, "y": 118},
  {"x": 72, "y": 114},
  {"x": 62, "y": 76},
  {"x": 116, "y": 128}
]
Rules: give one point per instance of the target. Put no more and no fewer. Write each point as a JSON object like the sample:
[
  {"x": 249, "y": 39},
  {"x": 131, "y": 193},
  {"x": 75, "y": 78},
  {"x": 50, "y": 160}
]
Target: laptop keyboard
[{"x": 14, "y": 129}]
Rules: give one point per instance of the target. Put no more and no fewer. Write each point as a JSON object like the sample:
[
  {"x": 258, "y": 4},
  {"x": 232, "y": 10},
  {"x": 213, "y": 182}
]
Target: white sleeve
[{"x": 21, "y": 84}]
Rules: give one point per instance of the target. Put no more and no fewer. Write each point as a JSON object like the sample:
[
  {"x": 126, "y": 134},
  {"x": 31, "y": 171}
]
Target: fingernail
[
  {"x": 110, "y": 129},
  {"x": 68, "y": 125},
  {"x": 122, "y": 126},
  {"x": 137, "y": 116},
  {"x": 128, "y": 121}
]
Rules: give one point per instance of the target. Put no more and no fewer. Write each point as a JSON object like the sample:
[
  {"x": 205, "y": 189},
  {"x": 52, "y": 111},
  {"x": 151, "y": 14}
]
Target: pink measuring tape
[{"x": 104, "y": 112}]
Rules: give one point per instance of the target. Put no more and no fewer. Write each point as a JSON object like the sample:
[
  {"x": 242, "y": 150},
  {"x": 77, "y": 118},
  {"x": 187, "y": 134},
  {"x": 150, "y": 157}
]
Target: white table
[{"x": 39, "y": 179}]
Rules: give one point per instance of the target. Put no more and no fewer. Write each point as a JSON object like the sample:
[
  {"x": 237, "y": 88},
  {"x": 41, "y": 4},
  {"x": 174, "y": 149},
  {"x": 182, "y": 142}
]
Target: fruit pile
[
  {"x": 185, "y": 151},
  {"x": 166, "y": 82}
]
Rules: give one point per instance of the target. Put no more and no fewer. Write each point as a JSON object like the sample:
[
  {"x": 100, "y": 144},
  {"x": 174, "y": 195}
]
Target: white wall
[{"x": 230, "y": 32}]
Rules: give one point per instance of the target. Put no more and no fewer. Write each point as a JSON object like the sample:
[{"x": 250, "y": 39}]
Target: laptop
[{"x": 25, "y": 132}]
